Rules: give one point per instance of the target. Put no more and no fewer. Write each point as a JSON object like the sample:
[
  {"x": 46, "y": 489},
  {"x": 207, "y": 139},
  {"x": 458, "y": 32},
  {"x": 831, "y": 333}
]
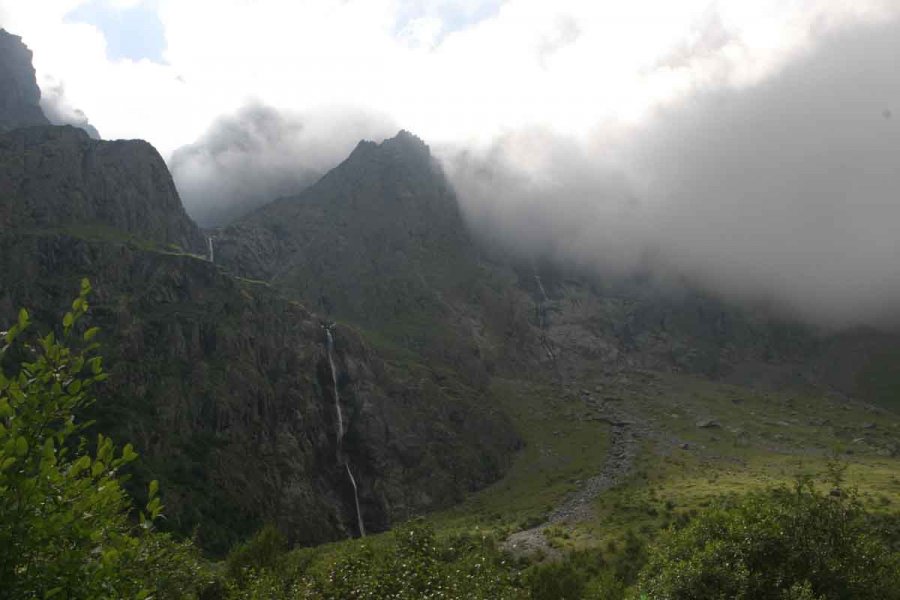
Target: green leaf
[
  {"x": 23, "y": 319},
  {"x": 96, "y": 365},
  {"x": 21, "y": 446},
  {"x": 154, "y": 488},
  {"x": 91, "y": 333},
  {"x": 68, "y": 320},
  {"x": 128, "y": 453},
  {"x": 85, "y": 287},
  {"x": 5, "y": 409},
  {"x": 81, "y": 464}
]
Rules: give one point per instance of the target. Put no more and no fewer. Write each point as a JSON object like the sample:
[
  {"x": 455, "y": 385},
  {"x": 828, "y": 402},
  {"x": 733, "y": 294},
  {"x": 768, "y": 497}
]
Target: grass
[
  {"x": 762, "y": 438},
  {"x": 559, "y": 451}
]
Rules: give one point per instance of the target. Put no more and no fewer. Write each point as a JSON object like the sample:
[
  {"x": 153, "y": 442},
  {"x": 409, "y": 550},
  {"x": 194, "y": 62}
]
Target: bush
[
  {"x": 413, "y": 564},
  {"x": 782, "y": 544},
  {"x": 556, "y": 581},
  {"x": 66, "y": 526},
  {"x": 264, "y": 551}
]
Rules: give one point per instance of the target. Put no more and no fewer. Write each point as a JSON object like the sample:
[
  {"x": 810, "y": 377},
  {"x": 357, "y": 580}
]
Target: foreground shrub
[
  {"x": 66, "y": 525},
  {"x": 783, "y": 544}
]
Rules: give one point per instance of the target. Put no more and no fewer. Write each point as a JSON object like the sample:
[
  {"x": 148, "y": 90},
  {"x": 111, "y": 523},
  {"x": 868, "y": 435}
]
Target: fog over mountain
[
  {"x": 749, "y": 148},
  {"x": 58, "y": 110},
  {"x": 785, "y": 191},
  {"x": 248, "y": 159}
]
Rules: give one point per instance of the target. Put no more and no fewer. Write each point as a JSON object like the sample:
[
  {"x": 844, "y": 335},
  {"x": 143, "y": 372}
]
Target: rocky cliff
[
  {"x": 19, "y": 93},
  {"x": 224, "y": 388},
  {"x": 379, "y": 241},
  {"x": 60, "y": 177}
]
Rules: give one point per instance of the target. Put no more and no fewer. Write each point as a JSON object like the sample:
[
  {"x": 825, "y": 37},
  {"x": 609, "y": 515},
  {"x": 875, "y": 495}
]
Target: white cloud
[
  {"x": 580, "y": 106},
  {"x": 784, "y": 192},
  {"x": 566, "y": 65}
]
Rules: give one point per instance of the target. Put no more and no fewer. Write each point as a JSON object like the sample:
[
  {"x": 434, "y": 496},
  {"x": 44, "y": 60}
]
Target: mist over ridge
[
  {"x": 786, "y": 192},
  {"x": 746, "y": 150}
]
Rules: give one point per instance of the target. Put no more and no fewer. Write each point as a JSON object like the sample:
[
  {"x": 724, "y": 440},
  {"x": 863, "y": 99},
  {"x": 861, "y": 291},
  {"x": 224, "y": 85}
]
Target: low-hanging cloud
[
  {"x": 60, "y": 111},
  {"x": 748, "y": 147},
  {"x": 786, "y": 191},
  {"x": 258, "y": 154}
]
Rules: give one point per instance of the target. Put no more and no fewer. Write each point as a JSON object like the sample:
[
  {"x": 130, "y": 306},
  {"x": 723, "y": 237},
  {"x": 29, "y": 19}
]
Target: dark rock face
[
  {"x": 378, "y": 241},
  {"x": 19, "y": 93},
  {"x": 224, "y": 388},
  {"x": 59, "y": 177},
  {"x": 384, "y": 216}
]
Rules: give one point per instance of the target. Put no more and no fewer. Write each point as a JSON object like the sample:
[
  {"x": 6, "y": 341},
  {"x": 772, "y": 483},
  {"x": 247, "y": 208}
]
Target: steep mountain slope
[
  {"x": 60, "y": 177},
  {"x": 241, "y": 401},
  {"x": 225, "y": 389},
  {"x": 19, "y": 93},
  {"x": 380, "y": 242}
]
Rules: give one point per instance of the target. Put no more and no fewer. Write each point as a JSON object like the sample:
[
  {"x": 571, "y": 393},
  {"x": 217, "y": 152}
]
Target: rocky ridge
[
  {"x": 20, "y": 95},
  {"x": 58, "y": 177}
]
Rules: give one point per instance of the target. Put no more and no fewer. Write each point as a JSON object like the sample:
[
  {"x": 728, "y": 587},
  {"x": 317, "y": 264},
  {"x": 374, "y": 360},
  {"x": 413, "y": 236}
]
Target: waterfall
[
  {"x": 541, "y": 308},
  {"x": 209, "y": 244},
  {"x": 359, "y": 520},
  {"x": 329, "y": 339},
  {"x": 339, "y": 434},
  {"x": 542, "y": 317}
]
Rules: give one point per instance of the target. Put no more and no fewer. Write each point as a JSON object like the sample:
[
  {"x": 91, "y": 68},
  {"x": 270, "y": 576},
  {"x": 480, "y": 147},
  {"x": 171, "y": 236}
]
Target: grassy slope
[
  {"x": 763, "y": 438},
  {"x": 560, "y": 450}
]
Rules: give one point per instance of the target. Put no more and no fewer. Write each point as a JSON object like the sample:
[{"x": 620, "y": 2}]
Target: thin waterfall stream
[
  {"x": 542, "y": 317},
  {"x": 359, "y": 520},
  {"x": 209, "y": 245},
  {"x": 329, "y": 342},
  {"x": 339, "y": 434}
]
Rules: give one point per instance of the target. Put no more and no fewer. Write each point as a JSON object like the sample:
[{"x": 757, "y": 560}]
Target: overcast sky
[{"x": 749, "y": 144}]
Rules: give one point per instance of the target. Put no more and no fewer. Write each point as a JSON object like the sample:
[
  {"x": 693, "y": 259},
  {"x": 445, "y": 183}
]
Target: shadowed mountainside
[{"x": 19, "y": 93}]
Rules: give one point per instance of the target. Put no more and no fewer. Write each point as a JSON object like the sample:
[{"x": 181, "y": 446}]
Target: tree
[
  {"x": 67, "y": 529},
  {"x": 782, "y": 544}
]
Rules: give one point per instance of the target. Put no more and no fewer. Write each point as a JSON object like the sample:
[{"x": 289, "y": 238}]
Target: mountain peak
[
  {"x": 404, "y": 146},
  {"x": 20, "y": 95},
  {"x": 408, "y": 140}
]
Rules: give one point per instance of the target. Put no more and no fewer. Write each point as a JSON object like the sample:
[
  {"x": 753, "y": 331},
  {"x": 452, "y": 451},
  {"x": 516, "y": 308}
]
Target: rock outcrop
[
  {"x": 19, "y": 93},
  {"x": 59, "y": 177}
]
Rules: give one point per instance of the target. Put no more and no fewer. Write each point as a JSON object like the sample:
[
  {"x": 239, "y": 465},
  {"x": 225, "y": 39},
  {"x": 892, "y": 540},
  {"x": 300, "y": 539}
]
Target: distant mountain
[{"x": 380, "y": 242}]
